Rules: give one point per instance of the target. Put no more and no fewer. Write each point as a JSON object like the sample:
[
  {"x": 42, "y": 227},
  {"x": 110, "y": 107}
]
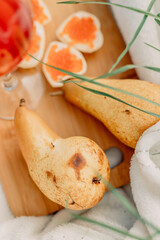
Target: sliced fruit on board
[
  {"x": 36, "y": 47},
  {"x": 63, "y": 56},
  {"x": 81, "y": 30},
  {"x": 41, "y": 12}
]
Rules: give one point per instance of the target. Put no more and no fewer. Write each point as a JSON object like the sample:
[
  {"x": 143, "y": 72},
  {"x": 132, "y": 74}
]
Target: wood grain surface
[{"x": 23, "y": 196}]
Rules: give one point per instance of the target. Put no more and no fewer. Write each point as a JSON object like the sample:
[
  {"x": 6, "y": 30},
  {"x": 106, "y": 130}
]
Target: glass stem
[{"x": 8, "y": 82}]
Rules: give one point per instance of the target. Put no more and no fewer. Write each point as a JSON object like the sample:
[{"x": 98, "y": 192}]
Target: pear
[
  {"x": 67, "y": 170},
  {"x": 125, "y": 122}
]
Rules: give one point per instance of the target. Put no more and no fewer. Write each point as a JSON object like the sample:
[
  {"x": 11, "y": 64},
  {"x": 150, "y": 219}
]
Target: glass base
[{"x": 23, "y": 84}]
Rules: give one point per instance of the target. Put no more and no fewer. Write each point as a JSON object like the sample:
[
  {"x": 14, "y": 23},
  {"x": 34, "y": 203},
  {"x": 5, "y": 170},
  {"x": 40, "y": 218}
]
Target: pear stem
[
  {"x": 58, "y": 93},
  {"x": 52, "y": 145},
  {"x": 22, "y": 102}
]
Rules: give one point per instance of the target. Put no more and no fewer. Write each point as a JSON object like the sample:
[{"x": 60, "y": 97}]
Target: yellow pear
[
  {"x": 125, "y": 122},
  {"x": 66, "y": 170}
]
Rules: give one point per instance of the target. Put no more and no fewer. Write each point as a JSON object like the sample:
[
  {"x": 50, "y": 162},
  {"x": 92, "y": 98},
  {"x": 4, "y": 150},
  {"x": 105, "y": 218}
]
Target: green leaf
[{"x": 157, "y": 20}]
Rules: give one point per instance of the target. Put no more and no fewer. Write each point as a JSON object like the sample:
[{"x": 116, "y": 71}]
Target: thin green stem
[
  {"x": 60, "y": 69},
  {"x": 134, "y": 37},
  {"x": 113, "y": 4},
  {"x": 130, "y": 207},
  {"x": 157, "y": 49},
  {"x": 117, "y": 230},
  {"x": 153, "y": 235},
  {"x": 117, "y": 99},
  {"x": 153, "y": 154},
  {"x": 83, "y": 78},
  {"x": 124, "y": 69},
  {"x": 125, "y": 92}
]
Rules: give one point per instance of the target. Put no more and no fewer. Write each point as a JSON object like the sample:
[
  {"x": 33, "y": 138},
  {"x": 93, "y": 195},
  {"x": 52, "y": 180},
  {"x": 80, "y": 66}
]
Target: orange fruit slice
[
  {"x": 36, "y": 47},
  {"x": 81, "y": 30},
  {"x": 63, "y": 56},
  {"x": 41, "y": 12}
]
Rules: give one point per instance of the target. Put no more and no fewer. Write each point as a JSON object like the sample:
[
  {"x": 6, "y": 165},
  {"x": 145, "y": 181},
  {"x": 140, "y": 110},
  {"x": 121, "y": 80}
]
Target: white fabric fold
[
  {"x": 128, "y": 21},
  {"x": 62, "y": 226},
  {"x": 145, "y": 176}
]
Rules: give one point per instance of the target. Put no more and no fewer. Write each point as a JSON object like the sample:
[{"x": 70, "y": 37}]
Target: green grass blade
[
  {"x": 134, "y": 37},
  {"x": 125, "y": 92},
  {"x": 157, "y": 20},
  {"x": 67, "y": 201},
  {"x": 127, "y": 204},
  {"x": 156, "y": 17},
  {"x": 124, "y": 69},
  {"x": 152, "y": 46},
  {"x": 117, "y": 99},
  {"x": 60, "y": 69},
  {"x": 156, "y": 69},
  {"x": 112, "y": 228},
  {"x": 117, "y": 71},
  {"x": 83, "y": 78}
]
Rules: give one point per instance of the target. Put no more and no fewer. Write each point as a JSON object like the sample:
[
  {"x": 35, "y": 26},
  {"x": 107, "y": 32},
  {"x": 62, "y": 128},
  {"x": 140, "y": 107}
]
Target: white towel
[
  {"x": 62, "y": 226},
  {"x": 145, "y": 173},
  {"x": 141, "y": 54}
]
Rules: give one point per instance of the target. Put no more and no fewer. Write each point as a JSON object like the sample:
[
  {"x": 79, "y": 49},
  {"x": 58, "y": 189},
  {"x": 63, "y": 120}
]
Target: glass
[{"x": 15, "y": 33}]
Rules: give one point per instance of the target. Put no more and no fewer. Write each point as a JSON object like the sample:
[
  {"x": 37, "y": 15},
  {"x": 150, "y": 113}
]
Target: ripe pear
[
  {"x": 65, "y": 170},
  {"x": 125, "y": 122}
]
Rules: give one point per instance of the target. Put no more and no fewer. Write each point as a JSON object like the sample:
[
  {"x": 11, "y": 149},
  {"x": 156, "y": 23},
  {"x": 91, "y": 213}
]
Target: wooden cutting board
[{"x": 23, "y": 196}]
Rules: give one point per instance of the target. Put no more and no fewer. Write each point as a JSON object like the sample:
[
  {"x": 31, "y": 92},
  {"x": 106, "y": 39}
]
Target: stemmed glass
[{"x": 15, "y": 33}]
